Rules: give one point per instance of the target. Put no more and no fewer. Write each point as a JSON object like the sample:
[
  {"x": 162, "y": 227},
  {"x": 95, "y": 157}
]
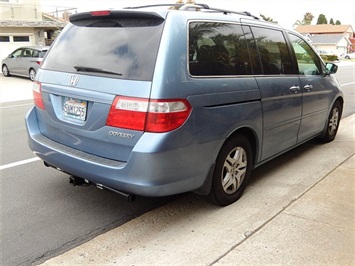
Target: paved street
[
  {"x": 299, "y": 213},
  {"x": 42, "y": 215}
]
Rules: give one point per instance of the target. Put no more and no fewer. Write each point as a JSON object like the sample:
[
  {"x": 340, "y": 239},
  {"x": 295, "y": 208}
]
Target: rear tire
[
  {"x": 233, "y": 168},
  {"x": 333, "y": 122},
  {"x": 32, "y": 74},
  {"x": 5, "y": 71}
]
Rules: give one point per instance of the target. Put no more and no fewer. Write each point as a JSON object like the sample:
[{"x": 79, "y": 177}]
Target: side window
[
  {"x": 274, "y": 54},
  {"x": 307, "y": 60},
  {"x": 217, "y": 49},
  {"x": 18, "y": 53},
  {"x": 27, "y": 53},
  {"x": 42, "y": 53},
  {"x": 35, "y": 53}
]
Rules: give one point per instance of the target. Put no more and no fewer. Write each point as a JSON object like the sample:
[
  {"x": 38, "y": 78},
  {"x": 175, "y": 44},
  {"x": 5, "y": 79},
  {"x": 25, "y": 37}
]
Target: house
[
  {"x": 331, "y": 43},
  {"x": 334, "y": 39},
  {"x": 23, "y": 23}
]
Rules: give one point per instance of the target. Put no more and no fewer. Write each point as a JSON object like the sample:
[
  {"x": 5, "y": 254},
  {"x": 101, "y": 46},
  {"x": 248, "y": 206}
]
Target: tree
[
  {"x": 307, "y": 19},
  {"x": 337, "y": 22},
  {"x": 268, "y": 19},
  {"x": 322, "y": 19},
  {"x": 331, "y": 21}
]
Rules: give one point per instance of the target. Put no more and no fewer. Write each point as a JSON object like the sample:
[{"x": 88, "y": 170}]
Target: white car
[
  {"x": 349, "y": 56},
  {"x": 24, "y": 61}
]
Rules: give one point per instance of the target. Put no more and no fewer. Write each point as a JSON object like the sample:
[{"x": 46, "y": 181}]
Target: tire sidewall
[
  {"x": 217, "y": 194},
  {"x": 32, "y": 72},
  {"x": 330, "y": 136},
  {"x": 5, "y": 70}
]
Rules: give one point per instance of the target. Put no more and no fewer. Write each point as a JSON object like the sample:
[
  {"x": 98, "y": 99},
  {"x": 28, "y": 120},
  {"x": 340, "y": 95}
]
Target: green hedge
[{"x": 329, "y": 58}]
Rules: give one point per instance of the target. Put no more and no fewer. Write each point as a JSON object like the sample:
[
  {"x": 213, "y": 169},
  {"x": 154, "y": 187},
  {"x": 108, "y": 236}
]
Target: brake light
[
  {"x": 100, "y": 13},
  {"x": 167, "y": 115},
  {"x": 38, "y": 62},
  {"x": 37, "y": 94},
  {"x": 148, "y": 115}
]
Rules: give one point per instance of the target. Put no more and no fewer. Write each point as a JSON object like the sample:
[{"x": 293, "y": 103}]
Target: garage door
[{"x": 8, "y": 43}]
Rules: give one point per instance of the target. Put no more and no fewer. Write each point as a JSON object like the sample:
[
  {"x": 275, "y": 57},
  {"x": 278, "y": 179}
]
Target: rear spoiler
[{"x": 111, "y": 14}]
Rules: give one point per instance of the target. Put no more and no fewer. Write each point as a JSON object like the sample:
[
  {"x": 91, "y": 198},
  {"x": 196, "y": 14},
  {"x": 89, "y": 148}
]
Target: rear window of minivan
[{"x": 122, "y": 47}]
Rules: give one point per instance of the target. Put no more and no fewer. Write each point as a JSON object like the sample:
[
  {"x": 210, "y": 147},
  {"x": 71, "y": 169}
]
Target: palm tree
[{"x": 307, "y": 19}]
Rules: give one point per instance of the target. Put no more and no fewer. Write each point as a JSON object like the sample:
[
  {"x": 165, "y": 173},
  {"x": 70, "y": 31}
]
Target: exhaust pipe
[
  {"x": 129, "y": 197},
  {"x": 49, "y": 165},
  {"x": 79, "y": 181}
]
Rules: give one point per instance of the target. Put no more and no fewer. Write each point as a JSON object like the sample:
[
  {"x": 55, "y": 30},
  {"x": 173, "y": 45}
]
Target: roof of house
[
  {"x": 327, "y": 38},
  {"x": 323, "y": 28},
  {"x": 31, "y": 24}
]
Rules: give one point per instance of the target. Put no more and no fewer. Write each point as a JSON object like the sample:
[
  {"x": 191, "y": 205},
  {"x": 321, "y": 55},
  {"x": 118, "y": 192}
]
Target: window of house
[
  {"x": 21, "y": 38},
  {"x": 4, "y": 38},
  {"x": 217, "y": 49}
]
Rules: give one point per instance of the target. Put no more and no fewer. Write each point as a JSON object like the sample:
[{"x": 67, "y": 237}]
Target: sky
[{"x": 285, "y": 12}]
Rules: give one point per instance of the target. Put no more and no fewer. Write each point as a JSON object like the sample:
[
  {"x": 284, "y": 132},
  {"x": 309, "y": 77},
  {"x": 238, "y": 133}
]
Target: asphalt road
[
  {"x": 42, "y": 215},
  {"x": 346, "y": 77}
]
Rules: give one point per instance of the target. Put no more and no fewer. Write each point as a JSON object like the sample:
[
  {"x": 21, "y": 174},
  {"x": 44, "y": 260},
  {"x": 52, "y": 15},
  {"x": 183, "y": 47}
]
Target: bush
[{"x": 329, "y": 58}]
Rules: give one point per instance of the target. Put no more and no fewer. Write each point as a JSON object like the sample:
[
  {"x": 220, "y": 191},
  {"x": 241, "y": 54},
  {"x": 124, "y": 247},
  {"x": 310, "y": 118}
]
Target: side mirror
[{"x": 330, "y": 68}]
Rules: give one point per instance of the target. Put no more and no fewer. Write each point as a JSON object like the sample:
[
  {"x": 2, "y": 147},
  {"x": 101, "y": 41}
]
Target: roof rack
[{"x": 197, "y": 7}]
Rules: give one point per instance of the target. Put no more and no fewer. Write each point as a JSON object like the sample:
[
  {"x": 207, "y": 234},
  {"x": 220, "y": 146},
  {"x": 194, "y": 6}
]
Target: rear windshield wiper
[{"x": 97, "y": 70}]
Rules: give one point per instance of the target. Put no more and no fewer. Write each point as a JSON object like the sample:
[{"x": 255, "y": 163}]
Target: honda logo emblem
[{"x": 73, "y": 80}]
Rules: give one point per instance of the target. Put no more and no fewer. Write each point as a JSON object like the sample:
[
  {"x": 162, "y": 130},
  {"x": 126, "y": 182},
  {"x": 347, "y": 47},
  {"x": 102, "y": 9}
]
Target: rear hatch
[{"x": 98, "y": 70}]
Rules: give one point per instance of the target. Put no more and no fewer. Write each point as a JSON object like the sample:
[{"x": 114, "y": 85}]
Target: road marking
[
  {"x": 346, "y": 84},
  {"x": 19, "y": 105},
  {"x": 10, "y": 165}
]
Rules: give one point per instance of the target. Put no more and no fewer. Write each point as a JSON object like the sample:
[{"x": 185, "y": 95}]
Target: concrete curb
[{"x": 298, "y": 209}]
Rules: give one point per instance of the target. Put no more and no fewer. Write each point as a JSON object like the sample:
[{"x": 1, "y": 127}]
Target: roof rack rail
[
  {"x": 197, "y": 7},
  {"x": 157, "y": 5},
  {"x": 225, "y": 11}
]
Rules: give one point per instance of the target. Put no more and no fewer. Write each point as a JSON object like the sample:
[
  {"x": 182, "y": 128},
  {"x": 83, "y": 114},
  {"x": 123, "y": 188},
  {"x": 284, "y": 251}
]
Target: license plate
[{"x": 75, "y": 108}]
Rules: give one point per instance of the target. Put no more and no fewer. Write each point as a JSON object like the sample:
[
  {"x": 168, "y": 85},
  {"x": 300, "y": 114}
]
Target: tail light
[
  {"x": 148, "y": 115},
  {"x": 38, "y": 62},
  {"x": 37, "y": 94},
  {"x": 100, "y": 13}
]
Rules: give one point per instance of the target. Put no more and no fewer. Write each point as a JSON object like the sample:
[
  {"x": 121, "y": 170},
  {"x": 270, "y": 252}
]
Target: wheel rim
[
  {"x": 32, "y": 74},
  {"x": 234, "y": 169},
  {"x": 5, "y": 71},
  {"x": 333, "y": 121}
]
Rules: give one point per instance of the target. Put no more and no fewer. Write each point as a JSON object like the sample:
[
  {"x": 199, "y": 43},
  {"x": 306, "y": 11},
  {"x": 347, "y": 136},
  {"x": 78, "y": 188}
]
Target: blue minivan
[{"x": 161, "y": 100}]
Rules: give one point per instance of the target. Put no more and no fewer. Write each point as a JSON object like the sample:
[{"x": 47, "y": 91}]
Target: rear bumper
[{"x": 146, "y": 173}]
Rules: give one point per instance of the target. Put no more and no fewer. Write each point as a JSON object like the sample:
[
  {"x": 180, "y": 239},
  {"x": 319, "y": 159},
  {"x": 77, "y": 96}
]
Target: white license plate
[{"x": 75, "y": 108}]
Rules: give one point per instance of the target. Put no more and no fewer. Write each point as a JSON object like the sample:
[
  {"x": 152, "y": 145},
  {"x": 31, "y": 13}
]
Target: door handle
[
  {"x": 295, "y": 89},
  {"x": 308, "y": 87}
]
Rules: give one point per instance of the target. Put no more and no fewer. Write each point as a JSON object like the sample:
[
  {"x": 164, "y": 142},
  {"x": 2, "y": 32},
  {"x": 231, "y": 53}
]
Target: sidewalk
[{"x": 299, "y": 209}]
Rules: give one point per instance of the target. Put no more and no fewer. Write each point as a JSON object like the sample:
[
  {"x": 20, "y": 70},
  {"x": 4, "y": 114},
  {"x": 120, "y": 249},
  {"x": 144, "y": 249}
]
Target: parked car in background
[
  {"x": 218, "y": 94},
  {"x": 349, "y": 56},
  {"x": 328, "y": 56},
  {"x": 24, "y": 61}
]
